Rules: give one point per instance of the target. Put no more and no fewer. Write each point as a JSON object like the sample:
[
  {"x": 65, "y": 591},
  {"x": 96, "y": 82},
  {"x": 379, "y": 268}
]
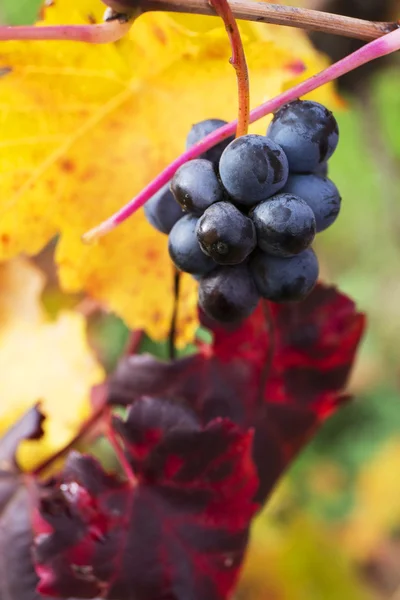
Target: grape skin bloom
[
  {"x": 200, "y": 130},
  {"x": 184, "y": 248},
  {"x": 308, "y": 133},
  {"x": 228, "y": 294},
  {"x": 225, "y": 234},
  {"x": 285, "y": 225},
  {"x": 284, "y": 279},
  {"x": 196, "y": 186},
  {"x": 162, "y": 210},
  {"x": 321, "y": 195},
  {"x": 253, "y": 168}
]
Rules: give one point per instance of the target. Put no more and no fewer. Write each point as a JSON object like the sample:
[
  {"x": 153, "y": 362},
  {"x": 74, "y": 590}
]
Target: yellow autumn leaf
[
  {"x": 376, "y": 504},
  {"x": 84, "y": 128},
  {"x": 41, "y": 360},
  {"x": 292, "y": 557}
]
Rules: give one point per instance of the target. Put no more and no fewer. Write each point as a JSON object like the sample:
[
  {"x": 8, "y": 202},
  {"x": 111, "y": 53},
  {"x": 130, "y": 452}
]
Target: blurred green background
[
  {"x": 332, "y": 530},
  {"x": 19, "y": 12}
]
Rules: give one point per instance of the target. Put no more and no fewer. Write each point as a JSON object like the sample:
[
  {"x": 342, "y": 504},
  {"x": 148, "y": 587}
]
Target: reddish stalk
[
  {"x": 238, "y": 61},
  {"x": 113, "y": 439},
  {"x": 385, "y": 45},
  {"x": 101, "y": 33},
  {"x": 88, "y": 307},
  {"x": 102, "y": 412},
  {"x": 134, "y": 342},
  {"x": 85, "y": 429}
]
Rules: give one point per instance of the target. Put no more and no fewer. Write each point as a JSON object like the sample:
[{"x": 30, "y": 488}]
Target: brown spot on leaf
[
  {"x": 52, "y": 185},
  {"x": 89, "y": 174},
  {"x": 160, "y": 35},
  {"x": 5, "y": 71},
  {"x": 67, "y": 165},
  {"x": 297, "y": 67},
  {"x": 152, "y": 255},
  {"x": 91, "y": 19}
]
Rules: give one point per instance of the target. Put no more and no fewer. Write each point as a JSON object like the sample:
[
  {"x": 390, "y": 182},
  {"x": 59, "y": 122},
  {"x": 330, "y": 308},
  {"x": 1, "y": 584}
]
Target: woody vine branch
[
  {"x": 275, "y": 14},
  {"x": 115, "y": 28}
]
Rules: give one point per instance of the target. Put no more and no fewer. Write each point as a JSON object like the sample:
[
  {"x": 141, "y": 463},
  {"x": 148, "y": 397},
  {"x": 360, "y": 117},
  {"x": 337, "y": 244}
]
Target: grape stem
[
  {"x": 174, "y": 317},
  {"x": 376, "y": 49},
  {"x": 238, "y": 61},
  {"x": 291, "y": 16}
]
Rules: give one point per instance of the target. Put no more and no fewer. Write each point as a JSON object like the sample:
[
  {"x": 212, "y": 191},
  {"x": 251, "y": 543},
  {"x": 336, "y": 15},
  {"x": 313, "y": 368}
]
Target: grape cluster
[{"x": 242, "y": 217}]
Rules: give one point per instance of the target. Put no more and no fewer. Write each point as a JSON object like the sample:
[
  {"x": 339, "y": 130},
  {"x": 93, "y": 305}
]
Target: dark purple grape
[
  {"x": 184, "y": 248},
  {"x": 253, "y": 168},
  {"x": 228, "y": 294},
  {"x": 196, "y": 186},
  {"x": 321, "y": 170},
  {"x": 225, "y": 234},
  {"x": 308, "y": 133},
  {"x": 285, "y": 225},
  {"x": 201, "y": 130},
  {"x": 321, "y": 195},
  {"x": 284, "y": 279},
  {"x": 162, "y": 211}
]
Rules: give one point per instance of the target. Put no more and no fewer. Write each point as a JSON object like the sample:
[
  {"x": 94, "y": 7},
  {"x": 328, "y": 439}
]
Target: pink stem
[
  {"x": 102, "y": 33},
  {"x": 385, "y": 45}
]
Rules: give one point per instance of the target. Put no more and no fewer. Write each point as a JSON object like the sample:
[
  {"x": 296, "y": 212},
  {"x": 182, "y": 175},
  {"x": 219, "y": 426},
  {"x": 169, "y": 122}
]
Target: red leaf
[
  {"x": 282, "y": 374},
  {"x": 180, "y": 532},
  {"x": 317, "y": 342},
  {"x": 17, "y": 575}
]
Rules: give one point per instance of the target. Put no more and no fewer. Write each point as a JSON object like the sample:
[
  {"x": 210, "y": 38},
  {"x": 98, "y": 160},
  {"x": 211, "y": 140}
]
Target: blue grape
[
  {"x": 200, "y": 131},
  {"x": 184, "y": 248},
  {"x": 162, "y": 211},
  {"x": 225, "y": 234},
  {"x": 285, "y": 225},
  {"x": 253, "y": 168},
  {"x": 284, "y": 279},
  {"x": 322, "y": 169},
  {"x": 308, "y": 133},
  {"x": 228, "y": 294},
  {"x": 196, "y": 186},
  {"x": 321, "y": 195}
]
